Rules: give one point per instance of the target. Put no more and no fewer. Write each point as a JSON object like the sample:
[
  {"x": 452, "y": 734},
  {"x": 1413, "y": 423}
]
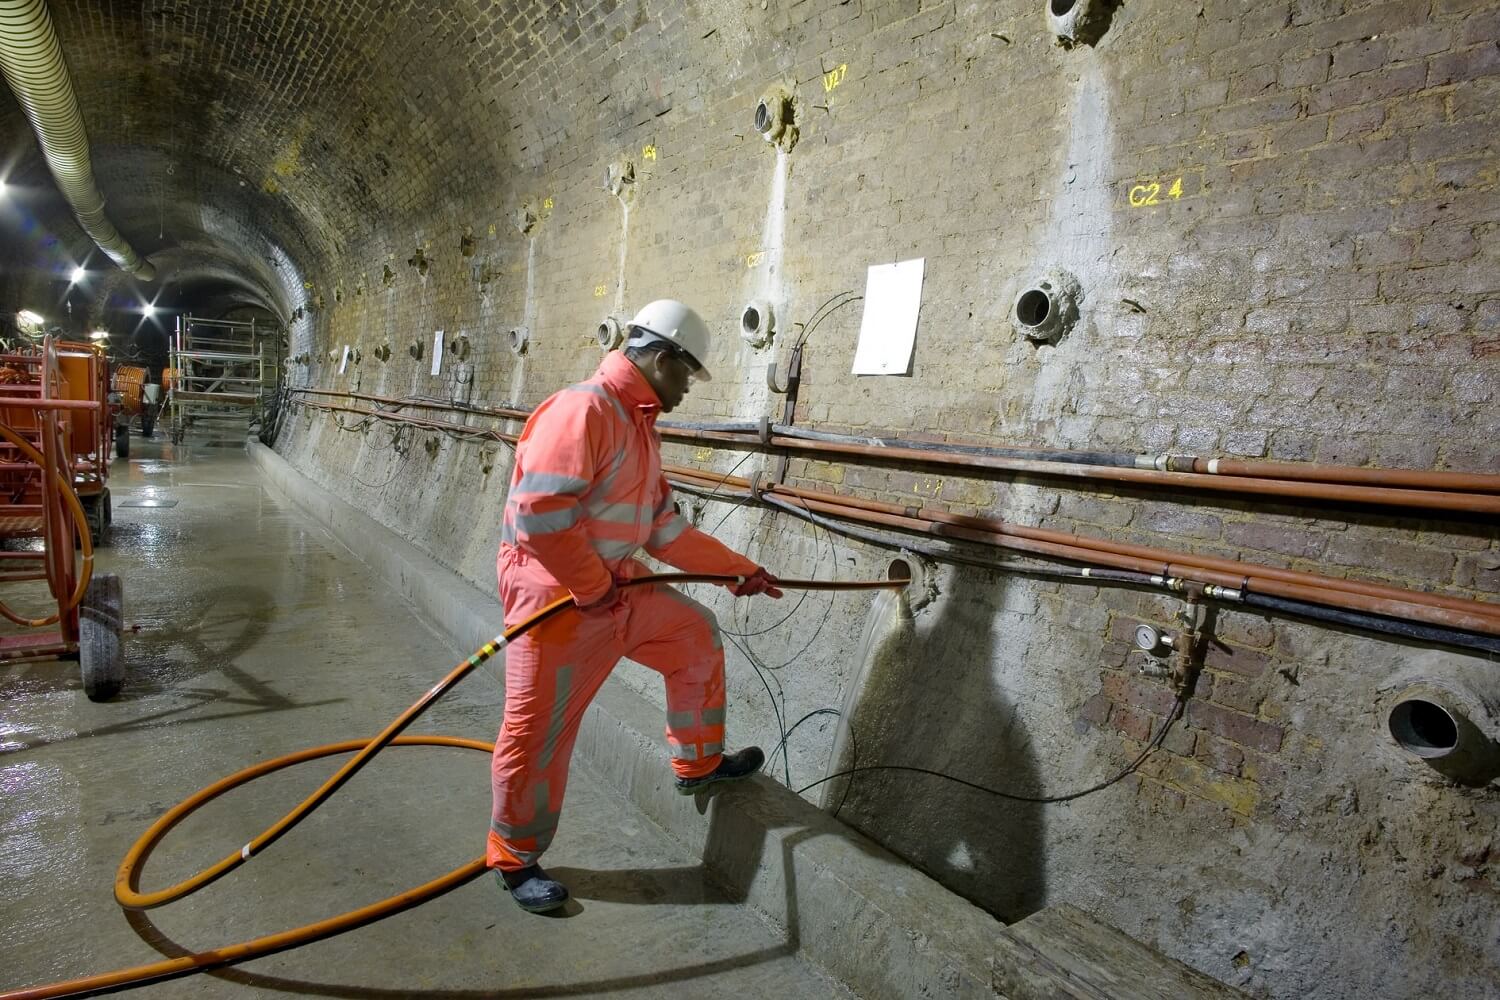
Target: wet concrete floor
[{"x": 255, "y": 634}]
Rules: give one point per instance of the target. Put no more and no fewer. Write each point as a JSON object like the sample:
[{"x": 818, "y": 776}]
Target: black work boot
[
  {"x": 732, "y": 767},
  {"x": 532, "y": 889}
]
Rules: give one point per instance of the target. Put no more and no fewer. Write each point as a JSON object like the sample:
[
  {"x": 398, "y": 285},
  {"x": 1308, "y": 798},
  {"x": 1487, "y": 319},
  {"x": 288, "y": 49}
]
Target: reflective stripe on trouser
[{"x": 552, "y": 674}]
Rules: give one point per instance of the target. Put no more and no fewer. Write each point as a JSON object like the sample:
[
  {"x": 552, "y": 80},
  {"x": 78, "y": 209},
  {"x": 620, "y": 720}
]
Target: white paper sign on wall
[
  {"x": 344, "y": 362},
  {"x": 437, "y": 353},
  {"x": 888, "y": 329}
]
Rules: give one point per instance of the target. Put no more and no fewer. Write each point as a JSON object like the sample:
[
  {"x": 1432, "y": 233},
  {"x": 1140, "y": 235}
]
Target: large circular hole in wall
[
  {"x": 899, "y": 569},
  {"x": 1424, "y": 728},
  {"x": 750, "y": 319},
  {"x": 1061, "y": 7},
  {"x": 1033, "y": 307}
]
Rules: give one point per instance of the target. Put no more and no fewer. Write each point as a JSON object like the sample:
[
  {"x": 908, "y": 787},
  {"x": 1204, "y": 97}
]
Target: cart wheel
[
  {"x": 96, "y": 509},
  {"x": 148, "y": 422},
  {"x": 101, "y": 645},
  {"x": 122, "y": 441}
]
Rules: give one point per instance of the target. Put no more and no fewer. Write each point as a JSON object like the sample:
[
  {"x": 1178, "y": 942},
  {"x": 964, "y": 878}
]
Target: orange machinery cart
[
  {"x": 55, "y": 429},
  {"x": 137, "y": 397}
]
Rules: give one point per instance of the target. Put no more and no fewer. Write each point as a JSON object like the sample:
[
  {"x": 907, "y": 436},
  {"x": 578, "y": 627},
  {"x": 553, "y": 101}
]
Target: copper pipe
[
  {"x": 1412, "y": 478},
  {"x": 1408, "y": 609},
  {"x": 1421, "y": 499},
  {"x": 437, "y": 425},
  {"x": 1294, "y": 584},
  {"x": 34, "y": 403},
  {"x": 1161, "y": 557},
  {"x": 433, "y": 404},
  {"x": 1390, "y": 487}
]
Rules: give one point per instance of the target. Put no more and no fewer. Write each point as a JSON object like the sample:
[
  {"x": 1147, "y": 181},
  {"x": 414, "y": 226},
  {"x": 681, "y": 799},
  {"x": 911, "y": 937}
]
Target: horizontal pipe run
[
  {"x": 1377, "y": 496},
  {"x": 1379, "y": 625},
  {"x": 1409, "y": 478},
  {"x": 1390, "y": 626},
  {"x": 1120, "y": 459},
  {"x": 1161, "y": 557},
  {"x": 1305, "y": 472},
  {"x": 1152, "y": 557},
  {"x": 1292, "y": 584},
  {"x": 430, "y": 404},
  {"x": 1374, "y": 598},
  {"x": 1382, "y": 487},
  {"x": 33, "y": 403},
  {"x": 1474, "y": 622}
]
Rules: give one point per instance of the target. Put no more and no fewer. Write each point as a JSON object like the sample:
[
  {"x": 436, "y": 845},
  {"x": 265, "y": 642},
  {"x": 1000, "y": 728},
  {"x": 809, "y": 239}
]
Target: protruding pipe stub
[
  {"x": 1423, "y": 727},
  {"x": 526, "y": 218},
  {"x": 619, "y": 179},
  {"x": 775, "y": 117},
  {"x": 518, "y": 339},
  {"x": 463, "y": 384},
  {"x": 610, "y": 334},
  {"x": 1046, "y": 308},
  {"x": 1447, "y": 717},
  {"x": 1077, "y": 22},
  {"x": 757, "y": 323},
  {"x": 921, "y": 571}
]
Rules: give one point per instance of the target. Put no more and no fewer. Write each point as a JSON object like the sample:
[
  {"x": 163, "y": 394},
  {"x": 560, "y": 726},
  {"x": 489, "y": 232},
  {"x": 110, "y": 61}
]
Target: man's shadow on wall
[{"x": 939, "y": 705}]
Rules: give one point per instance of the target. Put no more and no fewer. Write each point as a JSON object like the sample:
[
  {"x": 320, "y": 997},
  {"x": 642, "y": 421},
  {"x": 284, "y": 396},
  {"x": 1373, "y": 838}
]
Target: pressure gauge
[{"x": 1147, "y": 638}]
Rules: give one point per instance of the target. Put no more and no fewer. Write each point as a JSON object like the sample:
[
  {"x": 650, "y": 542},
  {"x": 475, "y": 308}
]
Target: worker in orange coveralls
[{"x": 586, "y": 495}]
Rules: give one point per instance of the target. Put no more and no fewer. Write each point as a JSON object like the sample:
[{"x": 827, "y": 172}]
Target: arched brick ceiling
[{"x": 229, "y": 135}]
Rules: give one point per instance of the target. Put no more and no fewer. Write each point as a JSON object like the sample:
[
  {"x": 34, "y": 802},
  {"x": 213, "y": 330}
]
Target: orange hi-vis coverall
[{"x": 587, "y": 493}]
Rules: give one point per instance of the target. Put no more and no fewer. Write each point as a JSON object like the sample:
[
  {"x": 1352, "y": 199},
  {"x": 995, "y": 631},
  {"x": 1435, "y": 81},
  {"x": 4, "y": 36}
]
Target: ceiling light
[
  {"x": 99, "y": 335},
  {"x": 149, "y": 310},
  {"x": 29, "y": 318},
  {"x": 79, "y": 274}
]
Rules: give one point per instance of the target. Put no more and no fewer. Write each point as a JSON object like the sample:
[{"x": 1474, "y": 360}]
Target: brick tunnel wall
[
  {"x": 1284, "y": 221},
  {"x": 1321, "y": 286}
]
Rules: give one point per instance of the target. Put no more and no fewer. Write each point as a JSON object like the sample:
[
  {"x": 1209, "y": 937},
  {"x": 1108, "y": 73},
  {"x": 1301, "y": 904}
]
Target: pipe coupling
[
  {"x": 1446, "y": 715},
  {"x": 757, "y": 323},
  {"x": 518, "y": 339},
  {"x": 610, "y": 333},
  {"x": 1047, "y": 308}
]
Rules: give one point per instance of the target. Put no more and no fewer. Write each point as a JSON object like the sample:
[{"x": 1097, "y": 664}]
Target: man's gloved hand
[
  {"x": 759, "y": 582},
  {"x": 612, "y": 599}
]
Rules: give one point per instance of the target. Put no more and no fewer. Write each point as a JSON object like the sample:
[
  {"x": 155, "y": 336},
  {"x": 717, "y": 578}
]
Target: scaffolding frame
[{"x": 218, "y": 368}]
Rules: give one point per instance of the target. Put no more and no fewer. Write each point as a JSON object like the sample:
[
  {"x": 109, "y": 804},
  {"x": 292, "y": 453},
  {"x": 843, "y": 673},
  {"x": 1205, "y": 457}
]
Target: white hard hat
[{"x": 675, "y": 323}]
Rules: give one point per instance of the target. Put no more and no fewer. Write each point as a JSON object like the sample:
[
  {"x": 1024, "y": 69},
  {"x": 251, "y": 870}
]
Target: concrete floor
[{"x": 258, "y": 635}]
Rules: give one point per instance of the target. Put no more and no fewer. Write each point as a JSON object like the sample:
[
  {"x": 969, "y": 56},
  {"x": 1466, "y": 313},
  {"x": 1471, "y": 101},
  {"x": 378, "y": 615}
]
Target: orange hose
[
  {"x": 86, "y": 542},
  {"x": 127, "y": 879}
]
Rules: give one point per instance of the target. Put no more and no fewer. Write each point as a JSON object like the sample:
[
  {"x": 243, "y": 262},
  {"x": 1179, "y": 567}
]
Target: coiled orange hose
[
  {"x": 65, "y": 602},
  {"x": 127, "y": 880}
]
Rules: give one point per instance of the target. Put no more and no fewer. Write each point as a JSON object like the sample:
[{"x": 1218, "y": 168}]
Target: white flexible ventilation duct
[{"x": 32, "y": 62}]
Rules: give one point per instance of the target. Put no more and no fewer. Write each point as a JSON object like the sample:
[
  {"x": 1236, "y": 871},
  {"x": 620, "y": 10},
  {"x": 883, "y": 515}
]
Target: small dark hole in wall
[
  {"x": 1061, "y": 7},
  {"x": 899, "y": 570},
  {"x": 1032, "y": 308},
  {"x": 1424, "y": 728},
  {"x": 750, "y": 321}
]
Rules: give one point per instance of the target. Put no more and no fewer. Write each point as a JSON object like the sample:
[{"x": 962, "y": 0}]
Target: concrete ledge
[
  {"x": 845, "y": 903},
  {"x": 453, "y": 605}
]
